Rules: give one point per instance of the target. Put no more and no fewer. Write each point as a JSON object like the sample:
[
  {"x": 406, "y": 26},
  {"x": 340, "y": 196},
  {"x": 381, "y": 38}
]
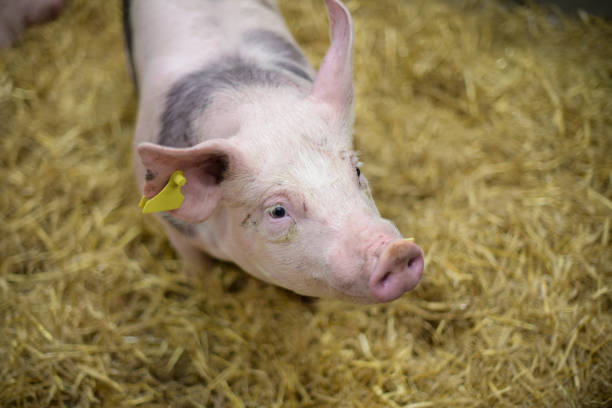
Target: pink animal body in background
[{"x": 265, "y": 144}]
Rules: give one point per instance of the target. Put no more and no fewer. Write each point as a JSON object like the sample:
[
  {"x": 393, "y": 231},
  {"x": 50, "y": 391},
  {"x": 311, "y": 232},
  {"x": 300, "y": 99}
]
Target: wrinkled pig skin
[{"x": 265, "y": 143}]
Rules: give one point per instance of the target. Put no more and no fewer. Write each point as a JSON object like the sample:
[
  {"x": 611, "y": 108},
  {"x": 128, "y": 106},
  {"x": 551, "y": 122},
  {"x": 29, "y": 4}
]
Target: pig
[{"x": 265, "y": 145}]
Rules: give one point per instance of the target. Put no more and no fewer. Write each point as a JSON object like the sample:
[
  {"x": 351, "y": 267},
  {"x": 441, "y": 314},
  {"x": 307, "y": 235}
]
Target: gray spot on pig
[
  {"x": 149, "y": 175},
  {"x": 179, "y": 225},
  {"x": 278, "y": 46},
  {"x": 294, "y": 69},
  {"x": 189, "y": 97},
  {"x": 269, "y": 4},
  {"x": 237, "y": 71}
]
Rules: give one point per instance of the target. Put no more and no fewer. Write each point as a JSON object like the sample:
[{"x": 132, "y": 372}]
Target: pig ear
[
  {"x": 204, "y": 166},
  {"x": 334, "y": 81}
]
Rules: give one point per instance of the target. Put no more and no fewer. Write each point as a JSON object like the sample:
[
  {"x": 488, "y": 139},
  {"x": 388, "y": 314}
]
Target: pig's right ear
[
  {"x": 204, "y": 166},
  {"x": 334, "y": 82}
]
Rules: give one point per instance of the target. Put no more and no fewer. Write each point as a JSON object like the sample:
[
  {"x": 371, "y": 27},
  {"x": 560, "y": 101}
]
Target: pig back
[{"x": 174, "y": 38}]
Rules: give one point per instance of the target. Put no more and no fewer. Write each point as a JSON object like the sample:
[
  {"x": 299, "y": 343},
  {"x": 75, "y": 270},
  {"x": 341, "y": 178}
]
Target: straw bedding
[{"x": 486, "y": 132}]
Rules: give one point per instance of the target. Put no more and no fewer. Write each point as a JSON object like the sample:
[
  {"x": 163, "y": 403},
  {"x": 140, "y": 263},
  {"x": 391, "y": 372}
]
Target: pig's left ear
[
  {"x": 204, "y": 166},
  {"x": 334, "y": 82}
]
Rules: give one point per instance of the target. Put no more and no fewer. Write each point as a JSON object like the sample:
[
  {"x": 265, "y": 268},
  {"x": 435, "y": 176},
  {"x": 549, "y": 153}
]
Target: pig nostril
[
  {"x": 385, "y": 278},
  {"x": 415, "y": 264}
]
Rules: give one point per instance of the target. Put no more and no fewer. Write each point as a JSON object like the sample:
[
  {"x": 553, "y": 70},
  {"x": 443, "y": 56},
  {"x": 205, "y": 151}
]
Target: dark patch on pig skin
[
  {"x": 189, "y": 97},
  {"x": 127, "y": 35},
  {"x": 179, "y": 225},
  {"x": 267, "y": 4},
  {"x": 149, "y": 175},
  {"x": 294, "y": 69}
]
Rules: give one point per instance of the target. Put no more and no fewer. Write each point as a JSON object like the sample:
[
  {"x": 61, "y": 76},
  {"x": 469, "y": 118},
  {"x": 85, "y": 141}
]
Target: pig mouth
[{"x": 355, "y": 289}]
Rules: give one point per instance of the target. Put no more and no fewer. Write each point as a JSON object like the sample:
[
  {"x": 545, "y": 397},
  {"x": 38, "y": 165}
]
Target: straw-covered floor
[{"x": 486, "y": 133}]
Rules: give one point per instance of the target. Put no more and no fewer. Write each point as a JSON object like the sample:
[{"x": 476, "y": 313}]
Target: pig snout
[{"x": 398, "y": 270}]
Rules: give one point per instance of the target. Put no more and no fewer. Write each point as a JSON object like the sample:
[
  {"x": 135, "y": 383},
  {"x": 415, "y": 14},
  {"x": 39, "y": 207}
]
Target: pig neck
[
  {"x": 209, "y": 102},
  {"x": 216, "y": 101}
]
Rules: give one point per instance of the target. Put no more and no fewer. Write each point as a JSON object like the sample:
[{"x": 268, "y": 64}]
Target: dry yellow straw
[{"x": 485, "y": 130}]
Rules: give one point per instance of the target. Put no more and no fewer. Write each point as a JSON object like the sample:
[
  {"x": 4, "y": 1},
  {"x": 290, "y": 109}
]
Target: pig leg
[{"x": 17, "y": 15}]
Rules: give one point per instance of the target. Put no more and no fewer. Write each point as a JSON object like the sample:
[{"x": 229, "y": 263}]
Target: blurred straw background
[{"x": 486, "y": 132}]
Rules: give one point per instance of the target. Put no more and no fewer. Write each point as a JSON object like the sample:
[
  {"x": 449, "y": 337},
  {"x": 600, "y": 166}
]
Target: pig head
[{"x": 273, "y": 183}]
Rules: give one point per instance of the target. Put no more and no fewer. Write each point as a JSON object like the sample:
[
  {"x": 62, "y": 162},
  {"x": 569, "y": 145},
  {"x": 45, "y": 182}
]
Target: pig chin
[{"x": 381, "y": 272}]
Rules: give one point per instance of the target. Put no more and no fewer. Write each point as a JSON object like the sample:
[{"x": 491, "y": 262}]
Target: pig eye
[
  {"x": 278, "y": 212},
  {"x": 358, "y": 171}
]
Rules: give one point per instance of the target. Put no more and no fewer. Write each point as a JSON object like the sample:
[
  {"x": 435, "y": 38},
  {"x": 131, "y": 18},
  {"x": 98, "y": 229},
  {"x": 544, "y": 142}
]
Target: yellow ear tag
[{"x": 170, "y": 198}]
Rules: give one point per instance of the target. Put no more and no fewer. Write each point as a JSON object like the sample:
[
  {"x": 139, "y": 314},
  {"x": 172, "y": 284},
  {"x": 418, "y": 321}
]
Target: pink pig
[{"x": 265, "y": 145}]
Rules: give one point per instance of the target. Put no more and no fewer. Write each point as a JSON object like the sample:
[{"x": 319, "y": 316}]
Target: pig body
[{"x": 265, "y": 144}]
